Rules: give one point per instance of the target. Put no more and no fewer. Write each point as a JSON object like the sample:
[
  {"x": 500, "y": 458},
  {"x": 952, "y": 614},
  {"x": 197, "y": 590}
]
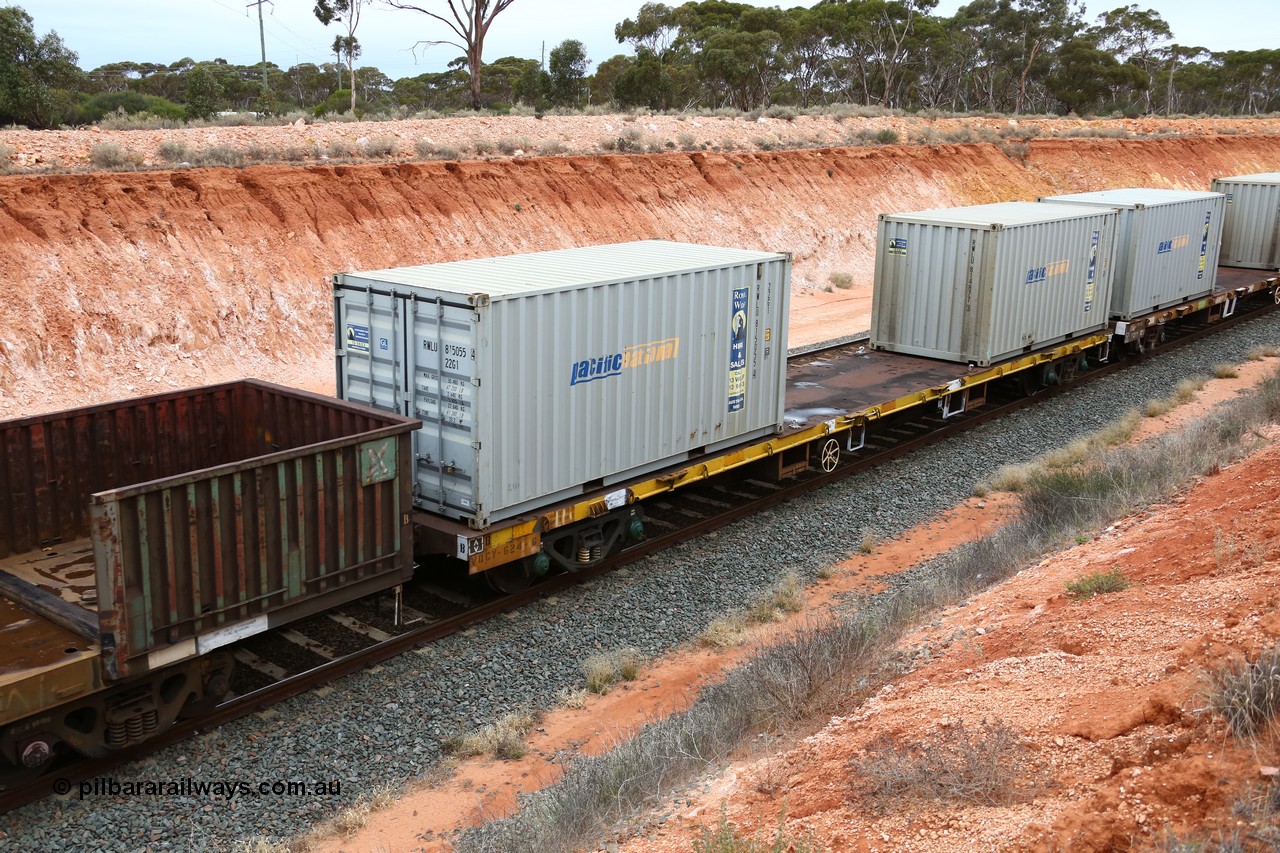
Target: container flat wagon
[
  {"x": 835, "y": 400},
  {"x": 545, "y": 376},
  {"x": 137, "y": 538}
]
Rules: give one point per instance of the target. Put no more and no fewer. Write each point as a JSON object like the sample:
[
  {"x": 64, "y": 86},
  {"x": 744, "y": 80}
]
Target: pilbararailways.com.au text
[{"x": 228, "y": 789}]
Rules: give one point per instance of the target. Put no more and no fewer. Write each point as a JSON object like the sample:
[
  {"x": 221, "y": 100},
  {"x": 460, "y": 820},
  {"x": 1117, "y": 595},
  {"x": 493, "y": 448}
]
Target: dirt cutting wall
[{"x": 127, "y": 283}]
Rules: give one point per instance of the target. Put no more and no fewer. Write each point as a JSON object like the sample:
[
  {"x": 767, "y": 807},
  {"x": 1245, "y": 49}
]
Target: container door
[
  {"x": 370, "y": 367},
  {"x": 442, "y": 369}
]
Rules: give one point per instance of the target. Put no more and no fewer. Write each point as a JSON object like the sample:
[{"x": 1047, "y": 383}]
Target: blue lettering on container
[
  {"x": 1035, "y": 275},
  {"x": 591, "y": 369}
]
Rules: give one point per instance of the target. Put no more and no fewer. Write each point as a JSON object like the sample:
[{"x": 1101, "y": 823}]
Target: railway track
[{"x": 291, "y": 661}]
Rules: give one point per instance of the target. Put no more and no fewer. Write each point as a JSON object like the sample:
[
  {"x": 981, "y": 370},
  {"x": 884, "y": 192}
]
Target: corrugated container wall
[
  {"x": 212, "y": 513},
  {"x": 540, "y": 376},
  {"x": 1251, "y": 236},
  {"x": 1167, "y": 245},
  {"x": 983, "y": 283}
]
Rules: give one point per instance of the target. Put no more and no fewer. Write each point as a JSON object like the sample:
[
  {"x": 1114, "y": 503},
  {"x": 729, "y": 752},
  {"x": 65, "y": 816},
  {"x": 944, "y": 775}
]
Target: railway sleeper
[{"x": 112, "y": 719}]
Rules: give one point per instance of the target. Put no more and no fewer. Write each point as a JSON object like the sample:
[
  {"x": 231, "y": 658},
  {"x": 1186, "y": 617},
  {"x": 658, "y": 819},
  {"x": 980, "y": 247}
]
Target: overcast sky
[{"x": 164, "y": 31}]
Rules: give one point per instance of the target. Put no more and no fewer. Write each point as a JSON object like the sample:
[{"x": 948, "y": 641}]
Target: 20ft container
[
  {"x": 167, "y": 526},
  {"x": 983, "y": 283},
  {"x": 1166, "y": 248},
  {"x": 1251, "y": 234},
  {"x": 540, "y": 376}
]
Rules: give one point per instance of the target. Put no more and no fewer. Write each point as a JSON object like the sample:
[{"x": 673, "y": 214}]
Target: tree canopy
[{"x": 1009, "y": 56}]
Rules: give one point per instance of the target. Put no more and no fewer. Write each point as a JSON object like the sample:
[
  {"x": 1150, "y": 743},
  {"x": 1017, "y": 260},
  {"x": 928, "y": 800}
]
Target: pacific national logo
[{"x": 612, "y": 364}]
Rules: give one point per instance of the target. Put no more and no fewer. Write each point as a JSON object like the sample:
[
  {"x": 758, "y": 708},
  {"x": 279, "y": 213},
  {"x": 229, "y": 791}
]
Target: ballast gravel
[{"x": 386, "y": 725}]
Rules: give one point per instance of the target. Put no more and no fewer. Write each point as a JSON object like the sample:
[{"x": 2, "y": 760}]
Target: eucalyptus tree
[
  {"x": 38, "y": 76},
  {"x": 347, "y": 13},
  {"x": 1136, "y": 36},
  {"x": 469, "y": 20}
]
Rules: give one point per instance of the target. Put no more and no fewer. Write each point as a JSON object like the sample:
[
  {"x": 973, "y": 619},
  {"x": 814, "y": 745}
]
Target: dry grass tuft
[
  {"x": 1225, "y": 371},
  {"x": 1247, "y": 695},
  {"x": 988, "y": 766},
  {"x": 501, "y": 739},
  {"x": 605, "y": 670}
]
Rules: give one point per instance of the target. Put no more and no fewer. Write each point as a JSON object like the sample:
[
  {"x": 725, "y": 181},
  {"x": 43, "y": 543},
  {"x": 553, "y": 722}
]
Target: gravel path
[{"x": 386, "y": 725}]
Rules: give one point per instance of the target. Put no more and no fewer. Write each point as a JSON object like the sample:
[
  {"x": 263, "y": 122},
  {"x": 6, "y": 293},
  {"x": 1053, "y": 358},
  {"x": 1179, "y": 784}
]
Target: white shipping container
[
  {"x": 1167, "y": 245},
  {"x": 541, "y": 376},
  {"x": 1251, "y": 234},
  {"x": 983, "y": 283}
]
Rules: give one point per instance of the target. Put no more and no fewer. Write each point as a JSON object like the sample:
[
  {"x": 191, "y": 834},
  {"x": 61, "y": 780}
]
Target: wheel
[
  {"x": 830, "y": 456},
  {"x": 510, "y": 577}
]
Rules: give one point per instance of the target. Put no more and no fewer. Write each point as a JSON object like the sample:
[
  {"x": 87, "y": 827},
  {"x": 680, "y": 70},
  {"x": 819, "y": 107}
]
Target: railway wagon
[
  {"x": 540, "y": 377},
  {"x": 137, "y": 538},
  {"x": 1167, "y": 245}
]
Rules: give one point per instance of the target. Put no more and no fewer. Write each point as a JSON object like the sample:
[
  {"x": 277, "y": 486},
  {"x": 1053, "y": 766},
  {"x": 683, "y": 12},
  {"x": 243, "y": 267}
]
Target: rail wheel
[
  {"x": 517, "y": 575},
  {"x": 1036, "y": 379},
  {"x": 829, "y": 456},
  {"x": 36, "y": 759}
]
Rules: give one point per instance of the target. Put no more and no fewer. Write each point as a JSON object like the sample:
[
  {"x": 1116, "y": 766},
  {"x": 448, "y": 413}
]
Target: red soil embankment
[{"x": 127, "y": 283}]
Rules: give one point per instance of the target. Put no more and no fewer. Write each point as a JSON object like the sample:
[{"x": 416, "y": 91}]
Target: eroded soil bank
[{"x": 135, "y": 282}]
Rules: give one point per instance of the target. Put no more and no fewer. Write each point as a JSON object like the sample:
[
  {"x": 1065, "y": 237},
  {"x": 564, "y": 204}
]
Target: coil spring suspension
[
  {"x": 590, "y": 553},
  {"x": 132, "y": 729}
]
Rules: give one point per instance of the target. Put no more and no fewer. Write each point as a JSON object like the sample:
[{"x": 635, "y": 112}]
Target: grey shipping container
[
  {"x": 983, "y": 283},
  {"x": 1167, "y": 245},
  {"x": 539, "y": 376},
  {"x": 1251, "y": 235},
  {"x": 174, "y": 524}
]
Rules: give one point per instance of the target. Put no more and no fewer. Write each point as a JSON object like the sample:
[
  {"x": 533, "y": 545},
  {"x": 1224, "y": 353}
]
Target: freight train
[{"x": 514, "y": 414}]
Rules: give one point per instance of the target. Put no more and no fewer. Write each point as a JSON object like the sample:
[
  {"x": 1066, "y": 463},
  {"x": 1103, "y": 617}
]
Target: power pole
[{"x": 262, "y": 37}]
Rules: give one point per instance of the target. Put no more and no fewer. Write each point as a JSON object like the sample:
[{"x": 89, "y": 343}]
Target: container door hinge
[
  {"x": 475, "y": 445},
  {"x": 476, "y": 381}
]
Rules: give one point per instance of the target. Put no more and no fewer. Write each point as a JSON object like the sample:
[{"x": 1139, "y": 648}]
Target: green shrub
[
  {"x": 173, "y": 151},
  {"x": 888, "y": 136},
  {"x": 111, "y": 155},
  {"x": 220, "y": 155},
  {"x": 380, "y": 146},
  {"x": 1097, "y": 583}
]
